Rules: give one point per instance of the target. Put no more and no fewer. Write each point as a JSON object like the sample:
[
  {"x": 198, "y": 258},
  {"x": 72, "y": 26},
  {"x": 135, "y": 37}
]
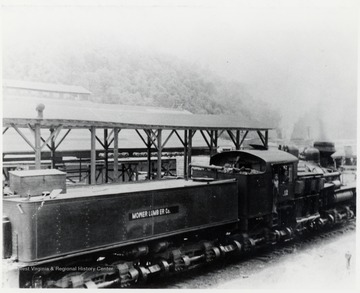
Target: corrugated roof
[
  {"x": 47, "y": 87},
  {"x": 83, "y": 114}
]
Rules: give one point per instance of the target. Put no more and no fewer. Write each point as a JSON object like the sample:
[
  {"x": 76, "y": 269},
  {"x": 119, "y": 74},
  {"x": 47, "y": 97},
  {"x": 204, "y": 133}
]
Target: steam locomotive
[{"x": 116, "y": 235}]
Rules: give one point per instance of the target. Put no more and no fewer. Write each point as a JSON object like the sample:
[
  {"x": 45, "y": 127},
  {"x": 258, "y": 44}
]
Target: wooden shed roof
[{"x": 83, "y": 114}]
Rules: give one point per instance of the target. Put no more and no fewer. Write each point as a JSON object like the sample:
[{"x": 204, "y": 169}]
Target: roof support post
[
  {"x": 211, "y": 134},
  {"x": 37, "y": 147},
  {"x": 106, "y": 157},
  {"x": 93, "y": 155},
  {"x": 52, "y": 148},
  {"x": 159, "y": 132},
  {"x": 266, "y": 138},
  {"x": 237, "y": 146},
  {"x": 216, "y": 136},
  {"x": 185, "y": 152},
  {"x": 149, "y": 155},
  {"x": 116, "y": 154},
  {"x": 189, "y": 154}
]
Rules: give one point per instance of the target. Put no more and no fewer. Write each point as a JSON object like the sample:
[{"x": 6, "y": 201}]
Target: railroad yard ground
[{"x": 319, "y": 263}]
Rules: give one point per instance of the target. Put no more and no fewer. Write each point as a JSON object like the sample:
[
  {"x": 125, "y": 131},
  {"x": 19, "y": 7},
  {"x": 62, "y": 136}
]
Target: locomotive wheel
[
  {"x": 165, "y": 267},
  {"x": 143, "y": 274}
]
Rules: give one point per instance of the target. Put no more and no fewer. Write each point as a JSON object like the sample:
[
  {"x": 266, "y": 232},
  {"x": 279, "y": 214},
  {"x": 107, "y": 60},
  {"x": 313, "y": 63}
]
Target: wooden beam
[
  {"x": 6, "y": 129},
  {"x": 216, "y": 139},
  {"x": 211, "y": 135},
  {"x": 237, "y": 146},
  {"x": 58, "y": 132},
  {"x": 149, "y": 157},
  {"x": 266, "y": 138},
  {"x": 116, "y": 154},
  {"x": 62, "y": 139},
  {"x": 109, "y": 137},
  {"x": 52, "y": 149},
  {"x": 189, "y": 154},
  {"x": 102, "y": 144},
  {"x": 178, "y": 135},
  {"x": 232, "y": 137},
  {"x": 159, "y": 133},
  {"x": 37, "y": 147},
  {"x": 23, "y": 136},
  {"x": 261, "y": 137},
  {"x": 32, "y": 130},
  {"x": 49, "y": 138},
  {"x": 137, "y": 131},
  {"x": 203, "y": 135},
  {"x": 45, "y": 143},
  {"x": 106, "y": 157},
  {"x": 185, "y": 152},
  {"x": 153, "y": 136},
  {"x": 113, "y": 138},
  {"x": 243, "y": 138},
  {"x": 167, "y": 139},
  {"x": 93, "y": 156}
]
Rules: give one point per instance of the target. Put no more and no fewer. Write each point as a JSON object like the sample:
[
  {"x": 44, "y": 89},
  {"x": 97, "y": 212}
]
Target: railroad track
[{"x": 238, "y": 265}]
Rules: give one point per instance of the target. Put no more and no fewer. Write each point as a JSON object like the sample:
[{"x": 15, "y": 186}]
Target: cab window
[{"x": 285, "y": 173}]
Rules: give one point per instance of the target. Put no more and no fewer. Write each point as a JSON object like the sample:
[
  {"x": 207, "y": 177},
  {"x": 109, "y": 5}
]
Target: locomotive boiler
[{"x": 116, "y": 235}]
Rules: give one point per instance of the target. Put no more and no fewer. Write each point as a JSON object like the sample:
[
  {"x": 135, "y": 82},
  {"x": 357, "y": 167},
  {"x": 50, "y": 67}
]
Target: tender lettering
[{"x": 153, "y": 213}]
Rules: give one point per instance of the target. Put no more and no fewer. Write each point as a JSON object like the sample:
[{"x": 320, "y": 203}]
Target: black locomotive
[{"x": 116, "y": 235}]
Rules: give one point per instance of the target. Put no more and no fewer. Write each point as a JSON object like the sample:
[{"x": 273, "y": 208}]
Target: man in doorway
[{"x": 275, "y": 182}]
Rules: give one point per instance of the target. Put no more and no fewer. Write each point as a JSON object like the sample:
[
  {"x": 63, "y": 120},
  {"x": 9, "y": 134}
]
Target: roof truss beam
[
  {"x": 232, "y": 136},
  {"x": 62, "y": 139},
  {"x": 261, "y": 136},
  {"x": 152, "y": 135},
  {"x": 221, "y": 132},
  {"x": 52, "y": 135},
  {"x": 179, "y": 137},
  {"x": 23, "y": 136},
  {"x": 142, "y": 138},
  {"x": 243, "y": 138},
  {"x": 102, "y": 144},
  {"x": 167, "y": 139},
  {"x": 5, "y": 129},
  {"x": 206, "y": 140}
]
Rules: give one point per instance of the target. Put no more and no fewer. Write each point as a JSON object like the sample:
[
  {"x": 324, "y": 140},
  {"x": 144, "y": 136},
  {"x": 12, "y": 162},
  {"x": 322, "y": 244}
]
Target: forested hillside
[{"x": 123, "y": 76}]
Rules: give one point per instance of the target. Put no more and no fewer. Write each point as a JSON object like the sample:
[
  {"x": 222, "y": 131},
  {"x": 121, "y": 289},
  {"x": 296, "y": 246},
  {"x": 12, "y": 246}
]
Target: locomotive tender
[{"x": 119, "y": 234}]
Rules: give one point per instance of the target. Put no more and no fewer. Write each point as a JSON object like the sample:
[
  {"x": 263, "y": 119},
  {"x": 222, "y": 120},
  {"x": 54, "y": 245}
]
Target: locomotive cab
[{"x": 265, "y": 181}]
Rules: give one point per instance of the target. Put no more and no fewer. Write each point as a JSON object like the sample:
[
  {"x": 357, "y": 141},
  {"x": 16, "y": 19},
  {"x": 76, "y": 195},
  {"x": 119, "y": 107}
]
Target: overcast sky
[{"x": 296, "y": 54}]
